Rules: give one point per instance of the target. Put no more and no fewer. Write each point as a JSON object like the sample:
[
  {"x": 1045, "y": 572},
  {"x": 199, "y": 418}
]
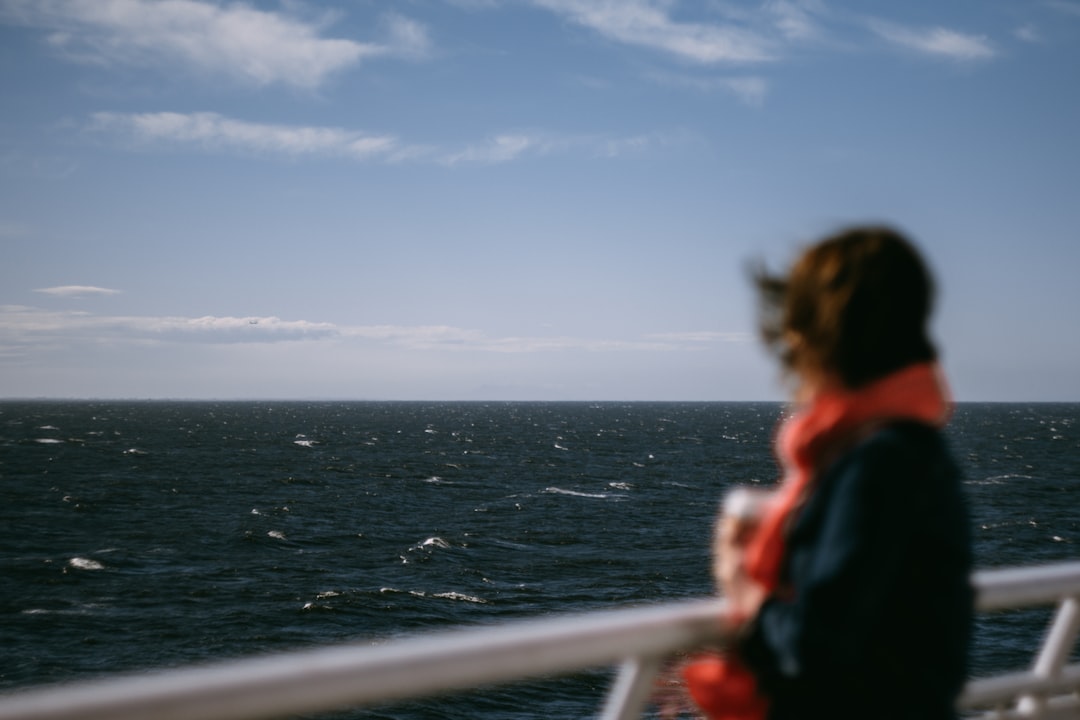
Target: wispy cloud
[
  {"x": 751, "y": 90},
  {"x": 1069, "y": 7},
  {"x": 796, "y": 19},
  {"x": 73, "y": 291},
  {"x": 648, "y": 23},
  {"x": 499, "y": 149},
  {"x": 214, "y": 132},
  {"x": 27, "y": 327},
  {"x": 703, "y": 337},
  {"x": 211, "y": 130},
  {"x": 254, "y": 46},
  {"x": 935, "y": 41},
  {"x": 1028, "y": 33}
]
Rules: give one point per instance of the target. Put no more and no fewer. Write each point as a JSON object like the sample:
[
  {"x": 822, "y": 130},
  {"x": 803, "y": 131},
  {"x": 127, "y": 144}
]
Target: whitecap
[
  {"x": 619, "y": 485},
  {"x": 575, "y": 493},
  {"x": 311, "y": 607},
  {"x": 48, "y": 441},
  {"x": 305, "y": 443},
  {"x": 435, "y": 542},
  {"x": 276, "y": 534},
  {"x": 80, "y": 563},
  {"x": 460, "y": 596},
  {"x": 327, "y": 594},
  {"x": 48, "y": 427},
  {"x": 560, "y": 447},
  {"x": 433, "y": 479}
]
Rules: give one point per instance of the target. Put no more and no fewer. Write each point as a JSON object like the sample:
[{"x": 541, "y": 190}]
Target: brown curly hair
[{"x": 853, "y": 307}]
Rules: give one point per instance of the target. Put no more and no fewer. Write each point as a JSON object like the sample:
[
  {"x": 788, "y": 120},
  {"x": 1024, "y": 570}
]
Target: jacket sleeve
[{"x": 878, "y": 559}]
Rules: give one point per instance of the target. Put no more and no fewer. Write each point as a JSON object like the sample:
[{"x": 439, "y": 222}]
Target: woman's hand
[{"x": 744, "y": 596}]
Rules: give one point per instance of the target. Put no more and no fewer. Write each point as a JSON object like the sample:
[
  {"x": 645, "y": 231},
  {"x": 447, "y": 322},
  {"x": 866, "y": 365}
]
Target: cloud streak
[
  {"x": 75, "y": 291},
  {"x": 935, "y": 41},
  {"x": 646, "y": 23},
  {"x": 26, "y": 328},
  {"x": 750, "y": 90},
  {"x": 250, "y": 45},
  {"x": 214, "y": 132},
  {"x": 22, "y": 325}
]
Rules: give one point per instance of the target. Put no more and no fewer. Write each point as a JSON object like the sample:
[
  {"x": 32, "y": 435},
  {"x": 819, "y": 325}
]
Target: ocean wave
[
  {"x": 575, "y": 493},
  {"x": 460, "y": 596},
  {"x": 450, "y": 595},
  {"x": 999, "y": 479}
]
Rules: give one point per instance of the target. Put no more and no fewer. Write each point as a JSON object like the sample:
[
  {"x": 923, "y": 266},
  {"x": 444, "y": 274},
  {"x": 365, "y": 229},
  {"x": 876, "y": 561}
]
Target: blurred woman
[{"x": 850, "y": 594}]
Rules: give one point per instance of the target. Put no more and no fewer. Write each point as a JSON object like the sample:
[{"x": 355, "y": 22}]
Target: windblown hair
[{"x": 854, "y": 307}]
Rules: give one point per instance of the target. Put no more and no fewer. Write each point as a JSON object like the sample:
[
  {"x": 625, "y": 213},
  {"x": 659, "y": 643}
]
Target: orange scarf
[{"x": 806, "y": 443}]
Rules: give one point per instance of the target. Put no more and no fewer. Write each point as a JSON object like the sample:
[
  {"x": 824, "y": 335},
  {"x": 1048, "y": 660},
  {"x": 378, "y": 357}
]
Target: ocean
[{"x": 144, "y": 535}]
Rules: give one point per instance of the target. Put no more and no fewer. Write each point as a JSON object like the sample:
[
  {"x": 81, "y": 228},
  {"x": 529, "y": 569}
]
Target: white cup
[{"x": 740, "y": 514}]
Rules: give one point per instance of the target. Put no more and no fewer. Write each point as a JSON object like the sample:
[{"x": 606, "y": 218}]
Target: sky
[{"x": 518, "y": 199}]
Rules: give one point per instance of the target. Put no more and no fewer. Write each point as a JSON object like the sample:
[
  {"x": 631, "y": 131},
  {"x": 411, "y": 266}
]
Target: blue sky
[{"x": 517, "y": 199}]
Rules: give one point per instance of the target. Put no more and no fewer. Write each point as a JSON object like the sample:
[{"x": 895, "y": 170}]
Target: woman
[{"x": 851, "y": 596}]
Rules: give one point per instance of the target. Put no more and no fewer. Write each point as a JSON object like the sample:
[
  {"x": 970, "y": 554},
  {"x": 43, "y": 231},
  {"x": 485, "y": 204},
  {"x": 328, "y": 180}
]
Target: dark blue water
[{"x": 140, "y": 535}]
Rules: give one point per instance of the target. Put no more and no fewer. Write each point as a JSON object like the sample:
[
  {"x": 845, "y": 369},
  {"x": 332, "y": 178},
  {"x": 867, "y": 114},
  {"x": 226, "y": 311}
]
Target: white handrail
[
  {"x": 638, "y": 639},
  {"x": 357, "y": 674}
]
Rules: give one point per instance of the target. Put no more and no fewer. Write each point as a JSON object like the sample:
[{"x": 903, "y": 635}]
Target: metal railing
[{"x": 638, "y": 640}]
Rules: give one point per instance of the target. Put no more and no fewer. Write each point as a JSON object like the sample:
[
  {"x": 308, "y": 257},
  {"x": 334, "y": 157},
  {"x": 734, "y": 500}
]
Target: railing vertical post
[
  {"x": 1055, "y": 651},
  {"x": 632, "y": 688}
]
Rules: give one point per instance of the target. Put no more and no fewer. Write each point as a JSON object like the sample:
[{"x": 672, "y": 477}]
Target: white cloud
[
  {"x": 500, "y": 149},
  {"x": 515, "y": 146},
  {"x": 1069, "y": 7},
  {"x": 937, "y": 41},
  {"x": 1028, "y": 33},
  {"x": 406, "y": 37},
  {"x": 751, "y": 90},
  {"x": 216, "y": 131},
  {"x": 703, "y": 336},
  {"x": 21, "y": 325},
  {"x": 27, "y": 327},
  {"x": 76, "y": 290},
  {"x": 212, "y": 131},
  {"x": 475, "y": 4},
  {"x": 648, "y": 23},
  {"x": 252, "y": 45},
  {"x": 795, "y": 18}
]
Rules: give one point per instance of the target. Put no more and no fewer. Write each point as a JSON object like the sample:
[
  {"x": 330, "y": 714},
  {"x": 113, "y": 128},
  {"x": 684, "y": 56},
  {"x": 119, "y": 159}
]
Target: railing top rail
[
  {"x": 358, "y": 673},
  {"x": 1002, "y": 588},
  {"x": 366, "y": 672}
]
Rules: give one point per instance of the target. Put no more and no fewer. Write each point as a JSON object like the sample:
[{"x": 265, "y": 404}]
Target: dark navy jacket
[{"x": 874, "y": 613}]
